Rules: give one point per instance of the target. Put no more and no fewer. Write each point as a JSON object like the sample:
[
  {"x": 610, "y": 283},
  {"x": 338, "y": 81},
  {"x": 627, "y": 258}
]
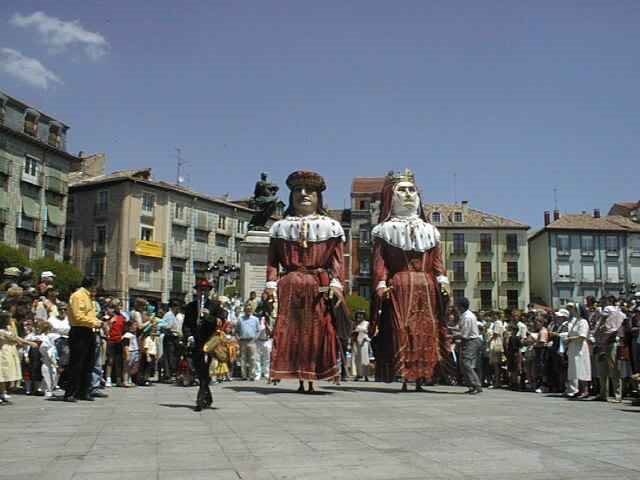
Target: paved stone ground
[{"x": 353, "y": 431}]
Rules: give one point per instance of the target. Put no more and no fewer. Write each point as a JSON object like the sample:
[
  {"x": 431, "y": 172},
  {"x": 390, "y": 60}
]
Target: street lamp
[{"x": 220, "y": 274}]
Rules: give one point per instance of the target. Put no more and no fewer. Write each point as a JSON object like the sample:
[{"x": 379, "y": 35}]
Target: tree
[
  {"x": 11, "y": 257},
  {"x": 68, "y": 278},
  {"x": 356, "y": 302}
]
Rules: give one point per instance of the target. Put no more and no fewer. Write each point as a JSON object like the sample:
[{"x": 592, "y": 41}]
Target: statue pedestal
[{"x": 254, "y": 251}]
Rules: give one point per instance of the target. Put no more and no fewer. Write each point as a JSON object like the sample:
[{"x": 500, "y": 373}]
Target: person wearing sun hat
[
  {"x": 308, "y": 246},
  {"x": 607, "y": 335},
  {"x": 201, "y": 318}
]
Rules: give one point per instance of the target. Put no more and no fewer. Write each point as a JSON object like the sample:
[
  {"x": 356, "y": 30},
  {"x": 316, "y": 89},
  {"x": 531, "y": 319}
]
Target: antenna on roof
[
  {"x": 555, "y": 198},
  {"x": 180, "y": 163},
  {"x": 455, "y": 187}
]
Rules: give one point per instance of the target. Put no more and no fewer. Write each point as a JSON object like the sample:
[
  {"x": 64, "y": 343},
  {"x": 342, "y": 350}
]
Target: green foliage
[
  {"x": 11, "y": 257},
  {"x": 231, "y": 291},
  {"x": 356, "y": 302},
  {"x": 68, "y": 278}
]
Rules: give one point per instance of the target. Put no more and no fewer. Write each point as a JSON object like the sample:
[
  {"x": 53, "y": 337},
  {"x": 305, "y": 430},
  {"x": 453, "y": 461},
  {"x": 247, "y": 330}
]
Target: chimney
[
  {"x": 596, "y": 213},
  {"x": 80, "y": 154},
  {"x": 465, "y": 206},
  {"x": 556, "y": 215},
  {"x": 547, "y": 218}
]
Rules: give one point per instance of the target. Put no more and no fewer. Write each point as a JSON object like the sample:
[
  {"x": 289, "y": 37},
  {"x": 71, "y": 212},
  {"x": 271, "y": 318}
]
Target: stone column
[{"x": 254, "y": 250}]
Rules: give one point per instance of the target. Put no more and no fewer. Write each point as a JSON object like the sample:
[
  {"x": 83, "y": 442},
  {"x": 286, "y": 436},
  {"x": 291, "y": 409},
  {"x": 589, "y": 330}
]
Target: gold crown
[{"x": 406, "y": 176}]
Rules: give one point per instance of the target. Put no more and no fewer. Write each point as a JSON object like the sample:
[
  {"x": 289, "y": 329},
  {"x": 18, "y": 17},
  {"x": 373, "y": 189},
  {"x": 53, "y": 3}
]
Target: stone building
[
  {"x": 143, "y": 237},
  {"x": 585, "y": 255},
  {"x": 34, "y": 168}
]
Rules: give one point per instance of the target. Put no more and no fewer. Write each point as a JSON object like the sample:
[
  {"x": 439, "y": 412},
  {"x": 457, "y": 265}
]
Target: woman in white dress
[
  {"x": 579, "y": 373},
  {"x": 360, "y": 347}
]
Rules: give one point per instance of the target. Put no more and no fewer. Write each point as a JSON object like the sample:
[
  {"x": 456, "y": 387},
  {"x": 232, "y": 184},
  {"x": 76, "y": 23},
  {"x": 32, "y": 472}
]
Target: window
[
  {"x": 512, "y": 242},
  {"x": 365, "y": 265},
  {"x": 31, "y": 166},
  {"x": 96, "y": 267},
  {"x": 565, "y": 294},
  {"x": 241, "y": 227},
  {"x": 146, "y": 234},
  {"x": 222, "y": 241},
  {"x": 222, "y": 222},
  {"x": 512, "y": 299},
  {"x": 458, "y": 271},
  {"x": 586, "y": 245},
  {"x": 485, "y": 242},
  {"x": 201, "y": 236},
  {"x": 31, "y": 124},
  {"x": 102, "y": 201},
  {"x": 512, "y": 271},
  {"x": 179, "y": 212},
  {"x": 365, "y": 291},
  {"x": 563, "y": 245},
  {"x": 458, "y": 294},
  {"x": 54, "y": 199},
  {"x": 612, "y": 246},
  {"x": 486, "y": 299},
  {"x": 148, "y": 203},
  {"x": 634, "y": 245},
  {"x": 55, "y": 138},
  {"x": 485, "y": 272},
  {"x": 457, "y": 217},
  {"x": 458, "y": 243},
  {"x": 436, "y": 217},
  {"x": 564, "y": 270},
  {"x": 177, "y": 277},
  {"x": 613, "y": 274},
  {"x": 101, "y": 237},
  {"x": 588, "y": 272},
  {"x": 144, "y": 273},
  {"x": 363, "y": 205},
  {"x": 30, "y": 190},
  {"x": 365, "y": 236},
  {"x": 635, "y": 273}
]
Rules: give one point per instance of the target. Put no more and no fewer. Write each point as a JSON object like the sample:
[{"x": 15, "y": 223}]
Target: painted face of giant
[
  {"x": 405, "y": 201},
  {"x": 305, "y": 201}
]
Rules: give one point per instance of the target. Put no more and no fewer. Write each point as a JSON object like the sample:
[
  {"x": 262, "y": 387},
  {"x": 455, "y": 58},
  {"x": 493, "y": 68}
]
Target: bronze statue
[{"x": 265, "y": 201}]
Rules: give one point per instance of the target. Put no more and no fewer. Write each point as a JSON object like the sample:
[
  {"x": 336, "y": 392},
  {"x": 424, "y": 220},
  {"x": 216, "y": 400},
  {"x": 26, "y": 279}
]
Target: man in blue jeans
[{"x": 471, "y": 346}]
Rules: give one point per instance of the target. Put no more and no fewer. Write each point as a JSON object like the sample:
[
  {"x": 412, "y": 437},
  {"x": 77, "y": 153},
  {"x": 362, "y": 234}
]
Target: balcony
[
  {"x": 486, "y": 277},
  {"x": 458, "y": 251},
  {"x": 614, "y": 280},
  {"x": 587, "y": 253},
  {"x": 568, "y": 278},
  {"x": 5, "y": 164},
  {"x": 201, "y": 253},
  {"x": 149, "y": 283},
  {"x": 511, "y": 253},
  {"x": 512, "y": 277},
  {"x": 179, "y": 250},
  {"x": 148, "y": 212},
  {"x": 4, "y": 216},
  {"x": 145, "y": 248},
  {"x": 613, "y": 253},
  {"x": 57, "y": 185},
  {"x": 180, "y": 220},
  {"x": 563, "y": 253},
  {"x": 37, "y": 179},
  {"x": 31, "y": 128},
  {"x": 589, "y": 280},
  {"x": 485, "y": 252},
  {"x": 458, "y": 277},
  {"x": 27, "y": 223}
]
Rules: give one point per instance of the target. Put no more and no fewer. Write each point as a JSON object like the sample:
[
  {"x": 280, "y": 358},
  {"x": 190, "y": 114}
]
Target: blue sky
[{"x": 516, "y": 98}]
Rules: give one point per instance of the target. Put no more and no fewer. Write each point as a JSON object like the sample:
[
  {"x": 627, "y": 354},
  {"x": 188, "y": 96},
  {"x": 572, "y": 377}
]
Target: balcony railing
[
  {"x": 563, "y": 253},
  {"x": 509, "y": 252},
  {"x": 179, "y": 250},
  {"x": 584, "y": 279},
  {"x": 486, "y": 277},
  {"x": 614, "y": 280},
  {"x": 569, "y": 278},
  {"x": 149, "y": 283},
  {"x": 36, "y": 179},
  {"x": 148, "y": 212},
  {"x": 613, "y": 253},
  {"x": 485, "y": 251},
  {"x": 587, "y": 253},
  {"x": 57, "y": 185},
  {"x": 458, "y": 277},
  {"x": 512, "y": 277},
  {"x": 459, "y": 251}
]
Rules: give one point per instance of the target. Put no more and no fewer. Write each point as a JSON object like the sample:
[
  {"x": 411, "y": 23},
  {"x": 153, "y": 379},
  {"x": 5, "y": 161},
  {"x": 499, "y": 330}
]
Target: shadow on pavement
[
  {"x": 391, "y": 389},
  {"x": 182, "y": 405},
  {"x": 275, "y": 390}
]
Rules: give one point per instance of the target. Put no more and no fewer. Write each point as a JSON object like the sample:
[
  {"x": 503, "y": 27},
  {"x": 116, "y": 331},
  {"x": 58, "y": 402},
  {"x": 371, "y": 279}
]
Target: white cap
[
  {"x": 609, "y": 309},
  {"x": 563, "y": 312},
  {"x": 47, "y": 274}
]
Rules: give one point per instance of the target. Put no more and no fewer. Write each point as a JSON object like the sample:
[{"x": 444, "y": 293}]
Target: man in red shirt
[{"x": 115, "y": 357}]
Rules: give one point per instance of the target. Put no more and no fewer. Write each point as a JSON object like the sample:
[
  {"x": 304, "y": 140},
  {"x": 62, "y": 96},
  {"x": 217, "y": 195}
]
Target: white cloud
[
  {"x": 58, "y": 34},
  {"x": 27, "y": 69}
]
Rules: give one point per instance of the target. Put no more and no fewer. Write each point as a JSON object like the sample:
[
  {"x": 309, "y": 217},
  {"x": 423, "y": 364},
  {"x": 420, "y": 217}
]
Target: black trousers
[
  {"x": 169, "y": 355},
  {"x": 201, "y": 364},
  {"x": 82, "y": 347},
  {"x": 115, "y": 358}
]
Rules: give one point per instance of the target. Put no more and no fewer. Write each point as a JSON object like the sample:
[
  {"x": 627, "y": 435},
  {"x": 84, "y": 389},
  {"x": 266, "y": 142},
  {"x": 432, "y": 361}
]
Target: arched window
[
  {"x": 435, "y": 217},
  {"x": 31, "y": 122}
]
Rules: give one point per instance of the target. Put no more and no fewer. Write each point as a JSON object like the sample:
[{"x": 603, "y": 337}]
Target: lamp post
[{"x": 220, "y": 274}]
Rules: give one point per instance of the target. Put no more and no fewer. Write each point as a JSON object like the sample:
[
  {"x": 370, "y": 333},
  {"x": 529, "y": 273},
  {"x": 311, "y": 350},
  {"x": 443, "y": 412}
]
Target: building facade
[
  {"x": 34, "y": 169},
  {"x": 578, "y": 256},
  {"x": 145, "y": 238},
  {"x": 486, "y": 255}
]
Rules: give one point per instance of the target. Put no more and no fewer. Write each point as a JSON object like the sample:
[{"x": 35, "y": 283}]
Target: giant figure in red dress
[
  {"x": 409, "y": 276},
  {"x": 305, "y": 267}
]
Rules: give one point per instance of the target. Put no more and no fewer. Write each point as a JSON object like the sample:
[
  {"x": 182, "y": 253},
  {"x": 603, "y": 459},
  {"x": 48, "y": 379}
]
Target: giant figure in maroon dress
[
  {"x": 409, "y": 277},
  {"x": 307, "y": 246}
]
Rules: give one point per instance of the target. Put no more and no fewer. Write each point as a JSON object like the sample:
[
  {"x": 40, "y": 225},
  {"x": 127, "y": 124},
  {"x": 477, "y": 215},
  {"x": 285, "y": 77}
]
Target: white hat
[
  {"x": 47, "y": 274},
  {"x": 609, "y": 309},
  {"x": 563, "y": 312}
]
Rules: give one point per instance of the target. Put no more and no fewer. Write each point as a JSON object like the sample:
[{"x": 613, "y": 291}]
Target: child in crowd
[
  {"x": 149, "y": 346},
  {"x": 131, "y": 353},
  {"x": 10, "y": 370},
  {"x": 32, "y": 363},
  {"x": 48, "y": 357}
]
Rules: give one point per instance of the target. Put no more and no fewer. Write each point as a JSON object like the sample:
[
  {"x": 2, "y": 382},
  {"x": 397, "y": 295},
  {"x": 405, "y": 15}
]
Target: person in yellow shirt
[{"x": 82, "y": 342}]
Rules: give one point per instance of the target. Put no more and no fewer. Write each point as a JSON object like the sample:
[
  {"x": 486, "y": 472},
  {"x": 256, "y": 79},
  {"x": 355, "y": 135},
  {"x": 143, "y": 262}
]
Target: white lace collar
[
  {"x": 312, "y": 228},
  {"x": 408, "y": 233}
]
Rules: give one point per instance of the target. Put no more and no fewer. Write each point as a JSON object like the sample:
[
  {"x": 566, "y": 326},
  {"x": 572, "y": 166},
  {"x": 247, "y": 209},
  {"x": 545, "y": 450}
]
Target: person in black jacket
[{"x": 201, "y": 318}]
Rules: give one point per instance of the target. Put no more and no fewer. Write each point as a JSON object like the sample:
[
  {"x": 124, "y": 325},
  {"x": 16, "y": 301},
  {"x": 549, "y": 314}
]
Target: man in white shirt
[{"x": 471, "y": 346}]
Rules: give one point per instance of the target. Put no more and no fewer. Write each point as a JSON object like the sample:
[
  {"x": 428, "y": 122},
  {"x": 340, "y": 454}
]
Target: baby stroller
[{"x": 184, "y": 371}]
